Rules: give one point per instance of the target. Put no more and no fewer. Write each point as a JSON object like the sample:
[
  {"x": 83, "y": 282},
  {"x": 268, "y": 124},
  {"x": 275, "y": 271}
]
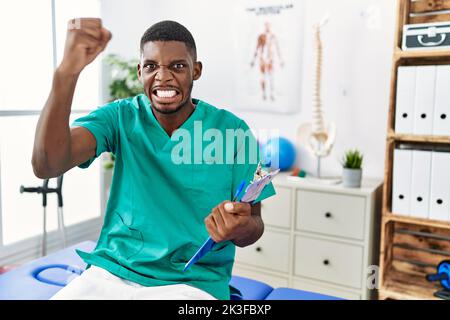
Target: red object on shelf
[{"x": 298, "y": 172}]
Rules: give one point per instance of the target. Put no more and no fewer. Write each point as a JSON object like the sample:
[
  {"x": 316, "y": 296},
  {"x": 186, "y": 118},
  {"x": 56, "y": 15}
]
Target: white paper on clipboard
[{"x": 257, "y": 186}]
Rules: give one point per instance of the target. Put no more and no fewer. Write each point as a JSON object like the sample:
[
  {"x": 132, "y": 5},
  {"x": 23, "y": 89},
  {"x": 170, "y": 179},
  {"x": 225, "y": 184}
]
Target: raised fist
[{"x": 86, "y": 38}]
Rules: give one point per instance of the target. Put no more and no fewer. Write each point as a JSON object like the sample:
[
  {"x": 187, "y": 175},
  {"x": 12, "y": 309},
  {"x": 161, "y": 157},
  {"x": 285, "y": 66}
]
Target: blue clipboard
[{"x": 251, "y": 194}]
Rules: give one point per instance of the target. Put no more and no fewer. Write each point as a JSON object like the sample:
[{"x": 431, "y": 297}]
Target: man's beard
[{"x": 181, "y": 106}]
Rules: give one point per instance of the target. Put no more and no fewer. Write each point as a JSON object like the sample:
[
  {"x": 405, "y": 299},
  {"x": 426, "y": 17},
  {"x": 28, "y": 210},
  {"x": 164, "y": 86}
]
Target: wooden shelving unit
[{"x": 411, "y": 247}]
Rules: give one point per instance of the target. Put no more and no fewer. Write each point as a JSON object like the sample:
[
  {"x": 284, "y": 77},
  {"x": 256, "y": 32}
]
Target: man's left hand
[{"x": 230, "y": 221}]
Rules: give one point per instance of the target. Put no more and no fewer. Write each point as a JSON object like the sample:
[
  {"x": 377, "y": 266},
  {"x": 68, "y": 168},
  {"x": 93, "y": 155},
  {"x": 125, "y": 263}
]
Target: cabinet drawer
[
  {"x": 331, "y": 214},
  {"x": 324, "y": 289},
  {"x": 329, "y": 261},
  {"x": 276, "y": 210},
  {"x": 274, "y": 281},
  {"x": 270, "y": 251}
]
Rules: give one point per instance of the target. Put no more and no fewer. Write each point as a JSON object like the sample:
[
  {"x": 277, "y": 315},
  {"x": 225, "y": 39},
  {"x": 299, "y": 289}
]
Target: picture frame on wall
[{"x": 268, "y": 55}]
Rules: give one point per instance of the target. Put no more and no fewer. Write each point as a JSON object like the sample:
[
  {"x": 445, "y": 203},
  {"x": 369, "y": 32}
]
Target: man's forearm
[
  {"x": 255, "y": 231},
  {"x": 52, "y": 139}
]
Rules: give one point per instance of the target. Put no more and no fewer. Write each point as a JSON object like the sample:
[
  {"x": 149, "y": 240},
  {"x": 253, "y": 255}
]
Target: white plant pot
[{"x": 351, "y": 178}]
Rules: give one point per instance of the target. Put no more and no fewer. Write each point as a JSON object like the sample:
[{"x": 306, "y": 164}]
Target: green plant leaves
[
  {"x": 124, "y": 79},
  {"x": 352, "y": 159}
]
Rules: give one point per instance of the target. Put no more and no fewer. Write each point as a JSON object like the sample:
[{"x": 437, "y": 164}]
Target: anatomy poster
[{"x": 268, "y": 51}]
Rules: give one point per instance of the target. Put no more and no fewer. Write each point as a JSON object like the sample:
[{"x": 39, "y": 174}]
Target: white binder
[
  {"x": 441, "y": 117},
  {"x": 401, "y": 182},
  {"x": 424, "y": 100},
  {"x": 440, "y": 186},
  {"x": 420, "y": 183},
  {"x": 404, "y": 107}
]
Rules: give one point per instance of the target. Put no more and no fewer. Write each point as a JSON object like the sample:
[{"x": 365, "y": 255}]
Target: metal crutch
[
  {"x": 45, "y": 190},
  {"x": 61, "y": 227}
]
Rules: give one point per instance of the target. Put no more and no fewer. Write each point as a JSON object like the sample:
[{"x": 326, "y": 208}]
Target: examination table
[{"x": 40, "y": 279}]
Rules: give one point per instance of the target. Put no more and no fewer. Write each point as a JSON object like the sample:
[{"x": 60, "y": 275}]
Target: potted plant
[{"x": 352, "y": 169}]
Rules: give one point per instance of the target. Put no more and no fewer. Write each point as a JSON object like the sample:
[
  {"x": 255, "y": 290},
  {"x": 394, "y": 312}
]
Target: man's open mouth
[{"x": 165, "y": 95}]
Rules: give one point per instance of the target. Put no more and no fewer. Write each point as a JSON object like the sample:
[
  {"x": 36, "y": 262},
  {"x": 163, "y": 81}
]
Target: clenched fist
[
  {"x": 86, "y": 38},
  {"x": 229, "y": 221}
]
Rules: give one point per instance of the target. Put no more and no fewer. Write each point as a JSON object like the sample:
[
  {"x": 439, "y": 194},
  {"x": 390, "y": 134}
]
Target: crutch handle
[{"x": 28, "y": 189}]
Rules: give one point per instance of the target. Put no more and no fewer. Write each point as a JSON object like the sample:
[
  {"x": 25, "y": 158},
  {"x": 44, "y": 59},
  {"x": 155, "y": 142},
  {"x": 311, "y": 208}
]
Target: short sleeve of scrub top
[{"x": 102, "y": 123}]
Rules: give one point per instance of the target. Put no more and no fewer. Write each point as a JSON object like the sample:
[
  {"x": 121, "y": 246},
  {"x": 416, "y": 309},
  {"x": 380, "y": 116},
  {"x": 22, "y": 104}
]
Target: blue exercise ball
[{"x": 278, "y": 153}]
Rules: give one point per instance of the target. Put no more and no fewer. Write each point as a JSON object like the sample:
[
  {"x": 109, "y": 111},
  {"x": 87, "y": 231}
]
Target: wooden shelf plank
[
  {"x": 393, "y": 291},
  {"x": 399, "y": 54},
  {"x": 406, "y": 286},
  {"x": 388, "y": 293},
  {"x": 389, "y": 216},
  {"x": 422, "y": 6},
  {"x": 419, "y": 138}
]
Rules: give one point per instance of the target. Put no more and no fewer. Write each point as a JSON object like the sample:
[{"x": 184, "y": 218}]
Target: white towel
[{"x": 98, "y": 284}]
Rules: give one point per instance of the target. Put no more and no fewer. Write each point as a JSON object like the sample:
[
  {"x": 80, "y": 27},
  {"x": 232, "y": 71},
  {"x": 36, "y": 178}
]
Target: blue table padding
[
  {"x": 294, "y": 294},
  {"x": 21, "y": 284},
  {"x": 251, "y": 289},
  {"x": 42, "y": 278}
]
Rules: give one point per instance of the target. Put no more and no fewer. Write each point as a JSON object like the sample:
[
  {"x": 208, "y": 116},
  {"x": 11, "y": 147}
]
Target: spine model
[{"x": 318, "y": 124}]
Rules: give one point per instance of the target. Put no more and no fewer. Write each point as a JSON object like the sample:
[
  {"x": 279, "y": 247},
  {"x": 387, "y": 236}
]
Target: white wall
[{"x": 358, "y": 43}]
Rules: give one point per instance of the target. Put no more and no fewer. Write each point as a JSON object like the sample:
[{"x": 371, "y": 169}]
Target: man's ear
[
  {"x": 139, "y": 72},
  {"x": 197, "y": 70}
]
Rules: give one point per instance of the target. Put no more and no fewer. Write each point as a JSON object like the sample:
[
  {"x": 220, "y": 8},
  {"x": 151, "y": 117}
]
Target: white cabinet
[
  {"x": 274, "y": 280},
  {"x": 319, "y": 238},
  {"x": 263, "y": 253},
  {"x": 331, "y": 214},
  {"x": 332, "y": 261},
  {"x": 276, "y": 211}
]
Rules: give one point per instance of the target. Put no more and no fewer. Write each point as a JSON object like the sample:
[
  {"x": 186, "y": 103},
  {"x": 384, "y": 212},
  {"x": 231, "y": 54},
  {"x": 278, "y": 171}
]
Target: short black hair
[{"x": 170, "y": 31}]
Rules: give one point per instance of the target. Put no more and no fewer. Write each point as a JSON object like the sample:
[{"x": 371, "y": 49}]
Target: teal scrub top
[{"x": 154, "y": 220}]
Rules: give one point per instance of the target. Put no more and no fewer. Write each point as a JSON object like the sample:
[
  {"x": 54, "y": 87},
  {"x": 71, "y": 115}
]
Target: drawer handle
[
  {"x": 328, "y": 215},
  {"x": 326, "y": 262},
  {"x": 258, "y": 249}
]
